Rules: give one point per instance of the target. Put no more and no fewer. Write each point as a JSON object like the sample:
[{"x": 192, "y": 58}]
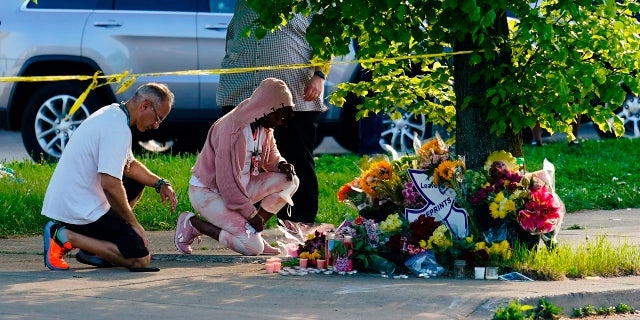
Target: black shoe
[{"x": 93, "y": 260}]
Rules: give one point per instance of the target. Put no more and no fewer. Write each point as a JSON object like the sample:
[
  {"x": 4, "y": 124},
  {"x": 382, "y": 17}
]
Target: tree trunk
[{"x": 474, "y": 139}]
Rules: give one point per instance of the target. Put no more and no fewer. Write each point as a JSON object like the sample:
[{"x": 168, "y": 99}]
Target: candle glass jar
[{"x": 459, "y": 269}]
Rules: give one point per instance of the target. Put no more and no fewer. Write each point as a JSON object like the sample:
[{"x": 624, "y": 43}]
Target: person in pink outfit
[{"x": 239, "y": 166}]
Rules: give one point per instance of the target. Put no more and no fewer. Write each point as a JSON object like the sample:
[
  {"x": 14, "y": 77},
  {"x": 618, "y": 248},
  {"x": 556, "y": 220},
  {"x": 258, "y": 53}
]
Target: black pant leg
[
  {"x": 134, "y": 189},
  {"x": 296, "y": 143}
]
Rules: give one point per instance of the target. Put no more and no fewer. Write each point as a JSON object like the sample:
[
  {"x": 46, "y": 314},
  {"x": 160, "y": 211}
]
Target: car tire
[
  {"x": 399, "y": 133},
  {"x": 629, "y": 113},
  {"x": 45, "y": 128}
]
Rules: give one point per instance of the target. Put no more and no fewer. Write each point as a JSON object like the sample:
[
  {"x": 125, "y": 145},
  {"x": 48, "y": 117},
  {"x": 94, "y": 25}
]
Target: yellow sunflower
[{"x": 446, "y": 171}]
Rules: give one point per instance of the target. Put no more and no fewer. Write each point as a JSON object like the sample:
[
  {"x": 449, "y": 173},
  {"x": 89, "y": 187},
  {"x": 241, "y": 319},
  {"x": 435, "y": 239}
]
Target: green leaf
[
  {"x": 475, "y": 58},
  {"x": 260, "y": 33}
]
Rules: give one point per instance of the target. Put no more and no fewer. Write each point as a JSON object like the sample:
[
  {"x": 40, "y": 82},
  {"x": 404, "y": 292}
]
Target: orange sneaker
[{"x": 54, "y": 247}]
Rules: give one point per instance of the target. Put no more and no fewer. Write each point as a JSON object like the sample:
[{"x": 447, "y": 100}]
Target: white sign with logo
[{"x": 440, "y": 204}]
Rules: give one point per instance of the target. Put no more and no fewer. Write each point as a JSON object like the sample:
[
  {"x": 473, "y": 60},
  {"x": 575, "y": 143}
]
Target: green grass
[
  {"x": 595, "y": 175},
  {"x": 598, "y": 174},
  {"x": 594, "y": 258}
]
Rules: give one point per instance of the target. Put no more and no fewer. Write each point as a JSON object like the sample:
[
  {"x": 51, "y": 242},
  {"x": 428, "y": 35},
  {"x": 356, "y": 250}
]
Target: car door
[
  {"x": 211, "y": 29},
  {"x": 147, "y": 37}
]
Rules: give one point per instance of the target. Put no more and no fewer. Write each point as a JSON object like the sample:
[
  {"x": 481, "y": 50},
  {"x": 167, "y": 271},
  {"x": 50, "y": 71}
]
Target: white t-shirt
[{"x": 101, "y": 144}]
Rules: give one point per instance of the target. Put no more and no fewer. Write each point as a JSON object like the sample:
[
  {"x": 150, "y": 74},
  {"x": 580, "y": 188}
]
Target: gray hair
[{"x": 154, "y": 91}]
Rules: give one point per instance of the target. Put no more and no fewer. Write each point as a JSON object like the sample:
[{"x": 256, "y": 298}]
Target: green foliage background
[{"x": 557, "y": 60}]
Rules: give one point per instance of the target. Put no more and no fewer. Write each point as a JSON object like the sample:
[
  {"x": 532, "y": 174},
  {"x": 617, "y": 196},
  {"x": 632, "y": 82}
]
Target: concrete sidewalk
[{"x": 216, "y": 283}]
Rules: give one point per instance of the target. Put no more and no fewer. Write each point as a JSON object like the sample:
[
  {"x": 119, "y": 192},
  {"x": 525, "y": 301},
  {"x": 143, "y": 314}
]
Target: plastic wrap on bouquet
[
  {"x": 424, "y": 264},
  {"x": 512, "y": 232},
  {"x": 544, "y": 214}
]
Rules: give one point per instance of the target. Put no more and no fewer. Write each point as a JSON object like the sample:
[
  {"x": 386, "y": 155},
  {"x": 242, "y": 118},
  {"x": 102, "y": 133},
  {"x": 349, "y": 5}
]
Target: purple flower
[
  {"x": 372, "y": 232},
  {"x": 412, "y": 198},
  {"x": 341, "y": 264}
]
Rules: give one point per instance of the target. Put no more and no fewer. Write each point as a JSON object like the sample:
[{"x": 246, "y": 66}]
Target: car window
[
  {"x": 63, "y": 4},
  {"x": 222, "y": 6},
  {"x": 156, "y": 5}
]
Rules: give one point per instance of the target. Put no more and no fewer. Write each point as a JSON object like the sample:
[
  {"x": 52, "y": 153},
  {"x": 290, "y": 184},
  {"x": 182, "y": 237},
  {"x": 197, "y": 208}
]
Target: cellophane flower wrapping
[{"x": 503, "y": 204}]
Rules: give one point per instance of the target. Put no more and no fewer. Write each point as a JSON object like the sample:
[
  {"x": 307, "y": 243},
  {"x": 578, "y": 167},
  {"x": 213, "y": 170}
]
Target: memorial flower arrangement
[
  {"x": 313, "y": 248},
  {"x": 500, "y": 205},
  {"x": 512, "y": 204}
]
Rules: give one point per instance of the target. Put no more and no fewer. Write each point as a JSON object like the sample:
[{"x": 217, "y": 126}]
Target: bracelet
[
  {"x": 320, "y": 74},
  {"x": 161, "y": 182}
]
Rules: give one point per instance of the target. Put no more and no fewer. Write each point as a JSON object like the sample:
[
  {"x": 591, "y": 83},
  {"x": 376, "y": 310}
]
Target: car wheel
[
  {"x": 629, "y": 113},
  {"x": 46, "y": 128},
  {"x": 399, "y": 133}
]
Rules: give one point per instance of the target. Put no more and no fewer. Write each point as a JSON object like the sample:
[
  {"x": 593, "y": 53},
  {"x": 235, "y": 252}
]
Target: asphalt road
[
  {"x": 216, "y": 283},
  {"x": 11, "y": 147}
]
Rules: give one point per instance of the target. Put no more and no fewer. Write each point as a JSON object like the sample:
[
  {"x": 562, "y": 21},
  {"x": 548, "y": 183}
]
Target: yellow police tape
[{"x": 127, "y": 80}]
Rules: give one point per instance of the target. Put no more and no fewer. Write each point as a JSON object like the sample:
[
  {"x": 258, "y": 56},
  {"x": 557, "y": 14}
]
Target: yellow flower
[
  {"x": 422, "y": 243},
  {"x": 391, "y": 224},
  {"x": 510, "y": 206},
  {"x": 446, "y": 171},
  {"x": 439, "y": 238},
  {"x": 315, "y": 255},
  {"x": 368, "y": 183},
  {"x": 494, "y": 208},
  {"x": 501, "y": 206},
  {"x": 381, "y": 169},
  {"x": 304, "y": 255},
  {"x": 372, "y": 177}
]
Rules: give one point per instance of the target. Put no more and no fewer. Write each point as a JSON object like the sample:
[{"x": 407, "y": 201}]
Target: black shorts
[{"x": 112, "y": 228}]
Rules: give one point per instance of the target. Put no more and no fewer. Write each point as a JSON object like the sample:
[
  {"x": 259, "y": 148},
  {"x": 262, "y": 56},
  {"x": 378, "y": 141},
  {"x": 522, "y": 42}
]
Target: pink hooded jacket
[{"x": 219, "y": 164}]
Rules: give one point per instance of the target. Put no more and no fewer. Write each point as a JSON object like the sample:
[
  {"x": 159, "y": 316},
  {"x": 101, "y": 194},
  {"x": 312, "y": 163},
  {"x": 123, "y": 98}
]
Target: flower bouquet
[
  {"x": 515, "y": 206},
  {"x": 430, "y": 203},
  {"x": 378, "y": 190},
  {"x": 313, "y": 248},
  {"x": 365, "y": 237}
]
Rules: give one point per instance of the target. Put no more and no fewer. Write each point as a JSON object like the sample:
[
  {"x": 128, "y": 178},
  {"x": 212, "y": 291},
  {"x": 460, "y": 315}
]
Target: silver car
[{"x": 82, "y": 37}]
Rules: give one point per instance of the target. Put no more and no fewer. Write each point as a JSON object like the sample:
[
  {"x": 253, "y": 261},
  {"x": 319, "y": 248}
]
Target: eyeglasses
[{"x": 158, "y": 119}]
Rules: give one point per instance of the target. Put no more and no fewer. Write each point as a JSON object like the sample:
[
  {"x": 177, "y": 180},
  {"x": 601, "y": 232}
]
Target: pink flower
[{"x": 542, "y": 214}]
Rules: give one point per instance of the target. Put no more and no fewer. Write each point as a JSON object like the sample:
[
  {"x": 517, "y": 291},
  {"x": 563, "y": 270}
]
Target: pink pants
[{"x": 266, "y": 187}]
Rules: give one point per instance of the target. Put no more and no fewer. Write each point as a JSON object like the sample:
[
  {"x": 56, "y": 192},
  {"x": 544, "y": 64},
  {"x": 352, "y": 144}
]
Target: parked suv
[{"x": 81, "y": 37}]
